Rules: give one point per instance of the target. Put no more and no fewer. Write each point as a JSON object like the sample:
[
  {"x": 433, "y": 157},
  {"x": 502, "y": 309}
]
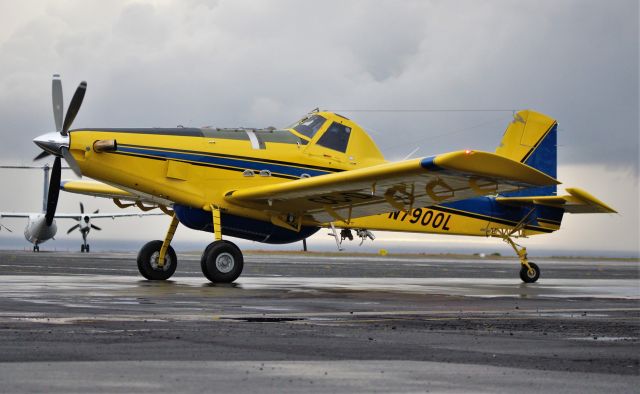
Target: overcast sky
[{"x": 266, "y": 63}]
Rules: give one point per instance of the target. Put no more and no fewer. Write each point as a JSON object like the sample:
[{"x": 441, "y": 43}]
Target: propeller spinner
[{"x": 57, "y": 143}]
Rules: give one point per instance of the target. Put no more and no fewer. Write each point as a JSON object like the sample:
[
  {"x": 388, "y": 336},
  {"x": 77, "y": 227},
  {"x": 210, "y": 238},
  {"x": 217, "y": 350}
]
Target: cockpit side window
[
  {"x": 309, "y": 126},
  {"x": 336, "y": 137}
]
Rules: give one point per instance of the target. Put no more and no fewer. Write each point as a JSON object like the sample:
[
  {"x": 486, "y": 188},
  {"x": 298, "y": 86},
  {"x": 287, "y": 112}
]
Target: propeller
[
  {"x": 81, "y": 208},
  {"x": 93, "y": 226},
  {"x": 57, "y": 143},
  {"x": 73, "y": 228},
  {"x": 54, "y": 191},
  {"x": 2, "y": 226}
]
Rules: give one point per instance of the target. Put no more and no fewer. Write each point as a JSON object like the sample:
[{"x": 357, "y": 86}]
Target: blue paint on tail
[{"x": 543, "y": 157}]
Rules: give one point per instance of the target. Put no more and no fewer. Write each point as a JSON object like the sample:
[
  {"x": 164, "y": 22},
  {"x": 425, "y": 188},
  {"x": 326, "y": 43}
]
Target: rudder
[{"x": 531, "y": 138}]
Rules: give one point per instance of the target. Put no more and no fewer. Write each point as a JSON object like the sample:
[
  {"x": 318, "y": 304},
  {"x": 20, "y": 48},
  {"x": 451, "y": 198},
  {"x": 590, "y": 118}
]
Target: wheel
[
  {"x": 530, "y": 277},
  {"x": 86, "y": 249},
  {"x": 36, "y": 248},
  {"x": 222, "y": 262},
  {"x": 148, "y": 261},
  {"x": 81, "y": 248}
]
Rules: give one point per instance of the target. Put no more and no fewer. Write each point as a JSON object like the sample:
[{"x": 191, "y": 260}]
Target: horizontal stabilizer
[{"x": 577, "y": 201}]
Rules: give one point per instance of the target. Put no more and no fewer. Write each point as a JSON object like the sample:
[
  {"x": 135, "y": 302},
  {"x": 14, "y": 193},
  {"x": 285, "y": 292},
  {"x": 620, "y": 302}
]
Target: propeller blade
[
  {"x": 41, "y": 155},
  {"x": 2, "y": 226},
  {"x": 54, "y": 191},
  {"x": 58, "y": 104},
  {"x": 74, "y": 107},
  {"x": 73, "y": 164},
  {"x": 96, "y": 211},
  {"x": 73, "y": 228},
  {"x": 93, "y": 226},
  {"x": 81, "y": 208}
]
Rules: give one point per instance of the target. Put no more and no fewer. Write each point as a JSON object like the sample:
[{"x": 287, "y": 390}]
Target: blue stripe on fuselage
[{"x": 242, "y": 164}]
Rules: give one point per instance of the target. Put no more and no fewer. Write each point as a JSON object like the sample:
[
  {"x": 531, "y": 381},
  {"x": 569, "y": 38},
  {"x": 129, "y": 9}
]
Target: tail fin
[{"x": 531, "y": 138}]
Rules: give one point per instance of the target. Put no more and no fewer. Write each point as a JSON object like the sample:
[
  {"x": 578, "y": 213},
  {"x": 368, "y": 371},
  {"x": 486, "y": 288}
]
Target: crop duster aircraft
[
  {"x": 41, "y": 228},
  {"x": 283, "y": 185}
]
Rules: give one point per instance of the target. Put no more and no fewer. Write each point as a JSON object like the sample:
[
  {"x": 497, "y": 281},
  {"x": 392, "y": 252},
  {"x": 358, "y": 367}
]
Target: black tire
[
  {"x": 222, "y": 262},
  {"x": 87, "y": 249},
  {"x": 526, "y": 276},
  {"x": 81, "y": 248},
  {"x": 148, "y": 262}
]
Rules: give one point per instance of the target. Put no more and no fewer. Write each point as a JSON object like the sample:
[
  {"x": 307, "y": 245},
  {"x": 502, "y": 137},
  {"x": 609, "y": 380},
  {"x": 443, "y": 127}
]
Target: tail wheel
[
  {"x": 222, "y": 262},
  {"x": 530, "y": 275},
  {"x": 148, "y": 262}
]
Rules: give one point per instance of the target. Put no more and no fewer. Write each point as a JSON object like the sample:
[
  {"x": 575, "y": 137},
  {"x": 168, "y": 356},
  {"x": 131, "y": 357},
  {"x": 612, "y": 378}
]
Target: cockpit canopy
[{"x": 335, "y": 137}]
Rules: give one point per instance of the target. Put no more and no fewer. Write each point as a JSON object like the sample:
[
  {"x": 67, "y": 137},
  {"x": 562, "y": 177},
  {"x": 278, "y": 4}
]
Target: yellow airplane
[{"x": 324, "y": 171}]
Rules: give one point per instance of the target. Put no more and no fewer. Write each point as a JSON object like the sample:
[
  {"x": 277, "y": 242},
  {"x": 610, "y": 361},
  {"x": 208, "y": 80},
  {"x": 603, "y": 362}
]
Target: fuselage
[
  {"x": 196, "y": 167},
  {"x": 37, "y": 231}
]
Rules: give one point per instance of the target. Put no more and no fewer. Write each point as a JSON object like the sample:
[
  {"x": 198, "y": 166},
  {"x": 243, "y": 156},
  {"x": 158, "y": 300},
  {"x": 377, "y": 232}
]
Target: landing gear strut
[
  {"x": 529, "y": 271},
  {"x": 221, "y": 261},
  {"x": 157, "y": 260}
]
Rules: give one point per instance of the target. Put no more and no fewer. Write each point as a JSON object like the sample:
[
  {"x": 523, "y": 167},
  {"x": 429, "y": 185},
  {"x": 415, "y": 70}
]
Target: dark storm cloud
[{"x": 266, "y": 63}]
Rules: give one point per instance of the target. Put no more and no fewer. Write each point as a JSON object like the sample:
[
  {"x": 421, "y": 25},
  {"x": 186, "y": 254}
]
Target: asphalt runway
[{"x": 72, "y": 322}]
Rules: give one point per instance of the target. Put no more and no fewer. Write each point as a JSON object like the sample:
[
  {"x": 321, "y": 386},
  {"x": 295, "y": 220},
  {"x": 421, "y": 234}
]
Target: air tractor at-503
[{"x": 324, "y": 171}]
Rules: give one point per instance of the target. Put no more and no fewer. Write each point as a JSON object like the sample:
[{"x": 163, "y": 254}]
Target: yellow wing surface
[
  {"x": 392, "y": 186},
  {"x": 98, "y": 189}
]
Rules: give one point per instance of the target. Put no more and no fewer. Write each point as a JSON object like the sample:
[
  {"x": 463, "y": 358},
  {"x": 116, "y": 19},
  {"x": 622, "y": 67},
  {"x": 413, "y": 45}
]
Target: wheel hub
[
  {"x": 225, "y": 262},
  {"x": 154, "y": 262}
]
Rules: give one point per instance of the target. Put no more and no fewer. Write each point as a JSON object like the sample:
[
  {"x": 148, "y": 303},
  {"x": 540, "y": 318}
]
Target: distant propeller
[
  {"x": 58, "y": 145},
  {"x": 81, "y": 208},
  {"x": 75, "y": 226},
  {"x": 93, "y": 226},
  {"x": 2, "y": 226},
  {"x": 96, "y": 211}
]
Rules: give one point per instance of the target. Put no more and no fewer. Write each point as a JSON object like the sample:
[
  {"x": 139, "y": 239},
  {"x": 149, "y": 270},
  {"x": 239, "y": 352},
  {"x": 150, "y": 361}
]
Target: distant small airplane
[{"x": 41, "y": 228}]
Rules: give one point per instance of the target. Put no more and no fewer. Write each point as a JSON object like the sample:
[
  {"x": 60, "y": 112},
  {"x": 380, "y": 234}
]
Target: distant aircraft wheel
[
  {"x": 36, "y": 248},
  {"x": 148, "y": 261},
  {"x": 87, "y": 249},
  {"x": 530, "y": 276},
  {"x": 81, "y": 248},
  {"x": 222, "y": 262}
]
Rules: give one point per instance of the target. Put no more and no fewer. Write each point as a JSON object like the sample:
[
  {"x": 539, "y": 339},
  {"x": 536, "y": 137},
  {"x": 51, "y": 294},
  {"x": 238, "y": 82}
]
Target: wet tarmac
[{"x": 72, "y": 322}]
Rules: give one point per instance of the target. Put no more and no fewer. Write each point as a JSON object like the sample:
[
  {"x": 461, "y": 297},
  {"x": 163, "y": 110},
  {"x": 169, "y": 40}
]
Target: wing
[
  {"x": 16, "y": 214},
  {"x": 98, "y": 189},
  {"x": 577, "y": 201},
  {"x": 393, "y": 186},
  {"x": 120, "y": 215},
  {"x": 78, "y": 216}
]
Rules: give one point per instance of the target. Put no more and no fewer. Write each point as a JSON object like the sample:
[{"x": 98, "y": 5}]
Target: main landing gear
[
  {"x": 84, "y": 248},
  {"x": 36, "y": 248},
  {"x": 529, "y": 271},
  {"x": 221, "y": 261}
]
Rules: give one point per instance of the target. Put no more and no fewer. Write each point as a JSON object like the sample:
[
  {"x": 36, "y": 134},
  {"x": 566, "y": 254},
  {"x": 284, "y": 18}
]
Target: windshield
[{"x": 309, "y": 126}]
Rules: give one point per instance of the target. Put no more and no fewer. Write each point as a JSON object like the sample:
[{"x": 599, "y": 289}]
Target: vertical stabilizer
[{"x": 531, "y": 138}]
